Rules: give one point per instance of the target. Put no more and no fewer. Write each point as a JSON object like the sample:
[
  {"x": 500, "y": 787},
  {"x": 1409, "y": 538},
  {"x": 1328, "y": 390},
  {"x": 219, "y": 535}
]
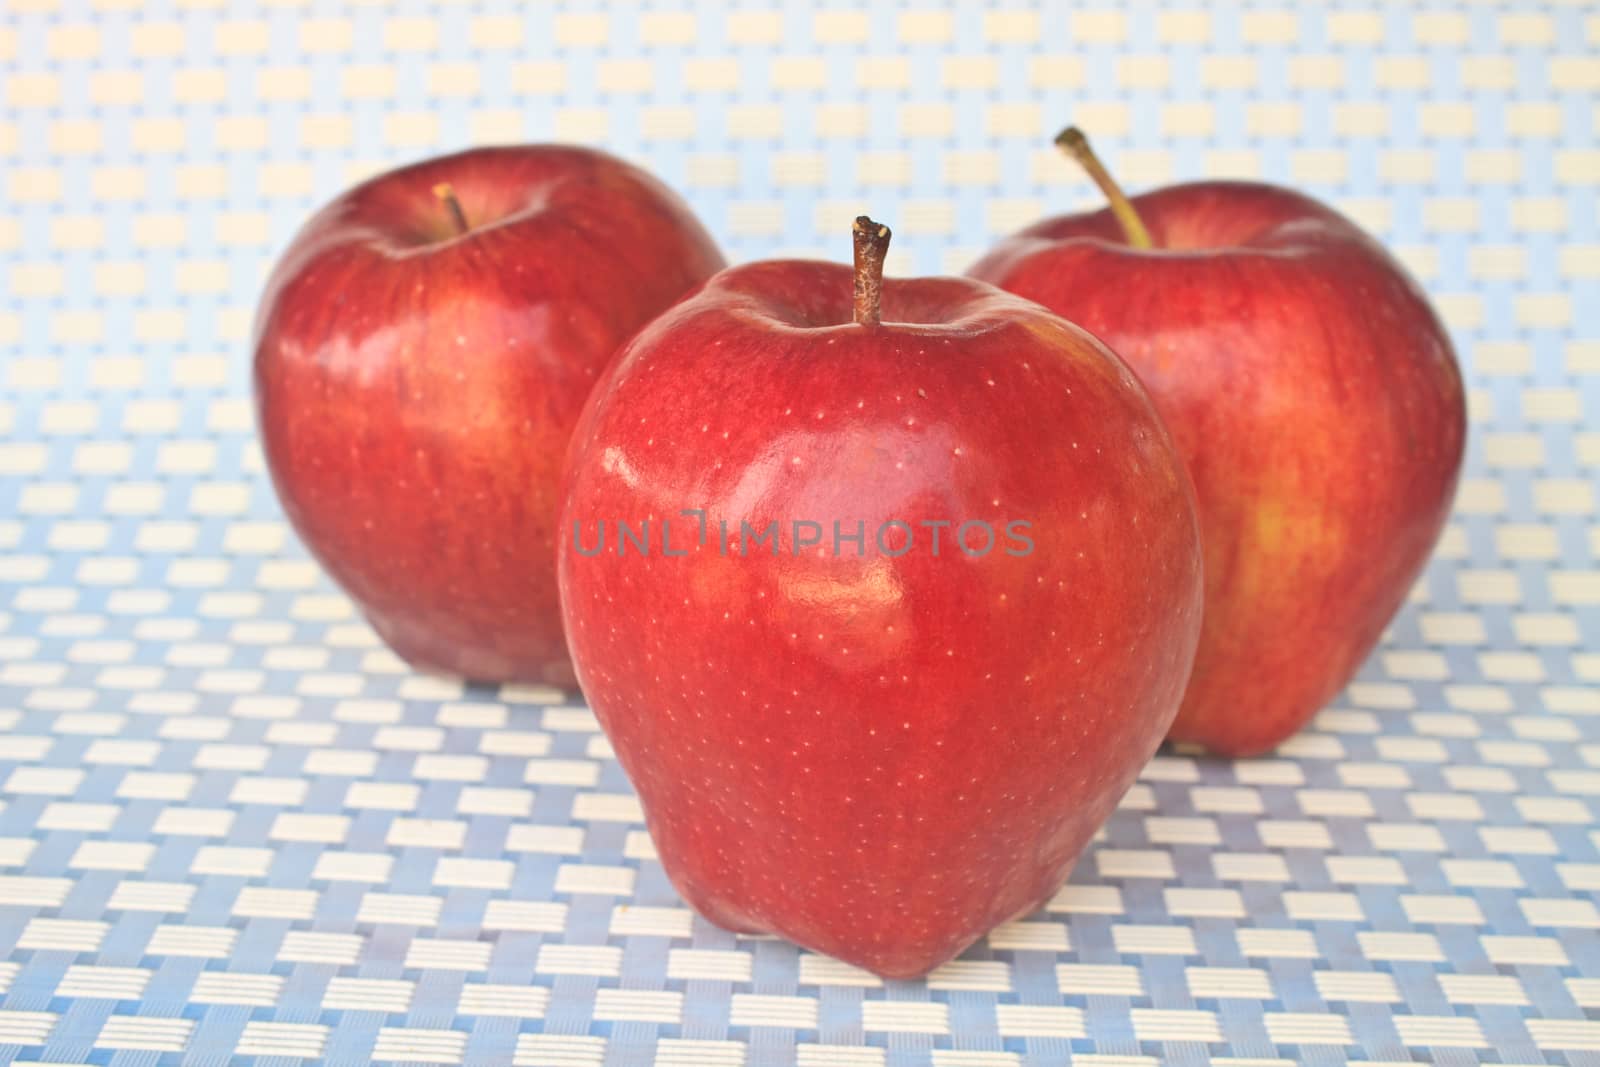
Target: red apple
[
  {"x": 422, "y": 352},
  {"x": 878, "y": 754},
  {"x": 1316, "y": 400}
]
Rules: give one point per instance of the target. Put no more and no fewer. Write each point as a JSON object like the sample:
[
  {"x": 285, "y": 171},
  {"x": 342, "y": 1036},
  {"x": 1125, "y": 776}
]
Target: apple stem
[
  {"x": 871, "y": 240},
  {"x": 446, "y": 193},
  {"x": 1073, "y": 142}
]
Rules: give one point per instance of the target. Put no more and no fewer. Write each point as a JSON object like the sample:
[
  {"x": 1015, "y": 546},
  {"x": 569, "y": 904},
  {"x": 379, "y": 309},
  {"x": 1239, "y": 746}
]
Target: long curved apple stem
[
  {"x": 1073, "y": 142},
  {"x": 871, "y": 240},
  {"x": 447, "y": 194}
]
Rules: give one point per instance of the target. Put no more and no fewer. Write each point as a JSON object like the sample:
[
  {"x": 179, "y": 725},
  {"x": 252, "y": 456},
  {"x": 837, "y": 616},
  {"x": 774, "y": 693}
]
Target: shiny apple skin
[
  {"x": 1316, "y": 398},
  {"x": 416, "y": 388},
  {"x": 878, "y": 758}
]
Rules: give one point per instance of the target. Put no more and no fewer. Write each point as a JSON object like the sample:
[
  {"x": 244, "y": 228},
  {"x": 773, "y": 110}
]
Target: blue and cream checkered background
[{"x": 231, "y": 824}]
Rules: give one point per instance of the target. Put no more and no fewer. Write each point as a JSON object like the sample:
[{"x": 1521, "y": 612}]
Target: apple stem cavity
[
  {"x": 447, "y": 195},
  {"x": 871, "y": 240},
  {"x": 1073, "y": 142}
]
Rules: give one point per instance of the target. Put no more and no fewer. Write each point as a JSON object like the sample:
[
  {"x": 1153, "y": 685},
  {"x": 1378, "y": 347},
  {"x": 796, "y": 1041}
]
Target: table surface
[{"x": 232, "y": 825}]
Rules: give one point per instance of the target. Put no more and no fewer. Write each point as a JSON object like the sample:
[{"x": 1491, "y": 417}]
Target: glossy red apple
[
  {"x": 422, "y": 352},
  {"x": 879, "y": 754},
  {"x": 1315, "y": 397}
]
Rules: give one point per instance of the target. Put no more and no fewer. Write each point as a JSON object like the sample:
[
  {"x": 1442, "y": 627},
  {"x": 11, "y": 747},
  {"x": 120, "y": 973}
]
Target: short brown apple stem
[
  {"x": 1073, "y": 142},
  {"x": 871, "y": 241},
  {"x": 447, "y": 194}
]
